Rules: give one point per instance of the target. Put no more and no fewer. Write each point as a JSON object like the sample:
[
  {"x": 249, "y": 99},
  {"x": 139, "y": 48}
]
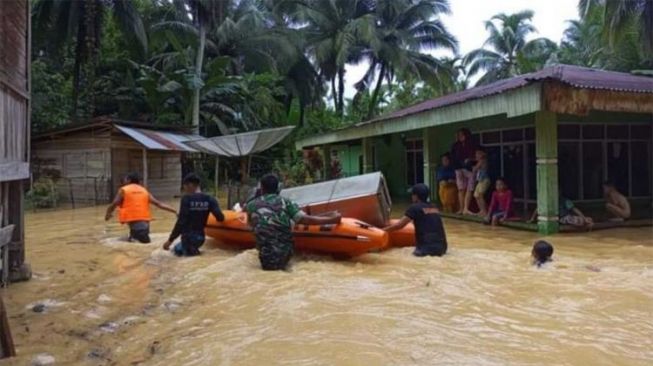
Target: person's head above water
[
  {"x": 191, "y": 183},
  {"x": 542, "y": 252},
  {"x": 269, "y": 184},
  {"x": 132, "y": 178},
  {"x": 420, "y": 192}
]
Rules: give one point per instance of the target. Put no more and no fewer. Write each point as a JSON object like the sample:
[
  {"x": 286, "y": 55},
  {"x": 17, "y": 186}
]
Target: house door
[{"x": 414, "y": 161}]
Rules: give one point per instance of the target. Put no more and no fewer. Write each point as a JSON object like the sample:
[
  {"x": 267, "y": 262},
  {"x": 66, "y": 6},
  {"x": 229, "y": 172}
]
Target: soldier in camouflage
[{"x": 272, "y": 217}]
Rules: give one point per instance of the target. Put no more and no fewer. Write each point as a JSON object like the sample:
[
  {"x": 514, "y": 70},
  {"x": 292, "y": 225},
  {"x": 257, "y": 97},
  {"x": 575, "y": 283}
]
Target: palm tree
[
  {"x": 506, "y": 52},
  {"x": 334, "y": 33},
  {"x": 404, "y": 29},
  {"x": 58, "y": 22},
  {"x": 620, "y": 16},
  {"x": 584, "y": 43}
]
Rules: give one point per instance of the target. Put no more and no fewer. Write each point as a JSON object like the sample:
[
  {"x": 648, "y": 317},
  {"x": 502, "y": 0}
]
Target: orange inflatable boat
[
  {"x": 348, "y": 239},
  {"x": 404, "y": 237}
]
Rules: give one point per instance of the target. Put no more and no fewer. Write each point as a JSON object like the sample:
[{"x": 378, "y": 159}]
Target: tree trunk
[
  {"x": 341, "y": 91},
  {"x": 198, "y": 72},
  {"x": 334, "y": 93},
  {"x": 375, "y": 93},
  {"x": 77, "y": 71},
  {"x": 302, "y": 109}
]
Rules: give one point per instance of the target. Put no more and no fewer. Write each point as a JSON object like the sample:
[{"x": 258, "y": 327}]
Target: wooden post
[
  {"x": 144, "y": 167},
  {"x": 7, "y": 348},
  {"x": 546, "y": 147},
  {"x": 216, "y": 176},
  {"x": 430, "y": 160},
  {"x": 6, "y": 234},
  {"x": 326, "y": 150},
  {"x": 368, "y": 163}
]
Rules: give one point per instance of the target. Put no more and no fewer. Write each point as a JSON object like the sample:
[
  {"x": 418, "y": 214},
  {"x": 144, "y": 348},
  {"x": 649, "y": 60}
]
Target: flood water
[{"x": 95, "y": 300}]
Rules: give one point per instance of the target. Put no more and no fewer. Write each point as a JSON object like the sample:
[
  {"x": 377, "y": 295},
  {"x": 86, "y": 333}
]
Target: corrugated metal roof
[
  {"x": 580, "y": 77},
  {"x": 160, "y": 140}
]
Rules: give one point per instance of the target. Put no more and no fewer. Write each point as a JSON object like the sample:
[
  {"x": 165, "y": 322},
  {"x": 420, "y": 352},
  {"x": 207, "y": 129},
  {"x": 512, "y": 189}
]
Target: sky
[{"x": 466, "y": 23}]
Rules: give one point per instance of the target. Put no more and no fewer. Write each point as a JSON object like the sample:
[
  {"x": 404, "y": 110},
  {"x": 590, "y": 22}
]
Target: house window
[
  {"x": 592, "y": 153},
  {"x": 414, "y": 161}
]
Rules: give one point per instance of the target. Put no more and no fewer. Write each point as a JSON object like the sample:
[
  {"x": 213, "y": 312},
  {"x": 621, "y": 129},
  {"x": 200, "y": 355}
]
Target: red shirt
[{"x": 501, "y": 201}]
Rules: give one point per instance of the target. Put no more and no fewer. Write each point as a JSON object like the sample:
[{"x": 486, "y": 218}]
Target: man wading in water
[
  {"x": 272, "y": 217},
  {"x": 194, "y": 210},
  {"x": 134, "y": 202},
  {"x": 430, "y": 238}
]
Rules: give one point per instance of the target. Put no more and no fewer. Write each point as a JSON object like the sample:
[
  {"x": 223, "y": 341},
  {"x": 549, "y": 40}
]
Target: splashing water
[{"x": 111, "y": 302}]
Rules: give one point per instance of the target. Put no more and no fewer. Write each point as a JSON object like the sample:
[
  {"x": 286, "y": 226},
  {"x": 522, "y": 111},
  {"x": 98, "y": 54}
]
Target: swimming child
[
  {"x": 430, "y": 237},
  {"x": 194, "y": 210},
  {"x": 482, "y": 181},
  {"x": 501, "y": 204},
  {"x": 542, "y": 252},
  {"x": 445, "y": 176}
]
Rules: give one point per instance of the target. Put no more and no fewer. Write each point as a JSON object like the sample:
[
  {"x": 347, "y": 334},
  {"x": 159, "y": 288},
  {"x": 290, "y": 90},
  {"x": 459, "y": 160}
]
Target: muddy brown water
[{"x": 100, "y": 301}]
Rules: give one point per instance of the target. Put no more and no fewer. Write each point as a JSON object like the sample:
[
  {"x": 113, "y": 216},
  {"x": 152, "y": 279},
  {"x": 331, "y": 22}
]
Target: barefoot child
[
  {"x": 616, "y": 203},
  {"x": 445, "y": 176},
  {"x": 482, "y": 181},
  {"x": 501, "y": 204}
]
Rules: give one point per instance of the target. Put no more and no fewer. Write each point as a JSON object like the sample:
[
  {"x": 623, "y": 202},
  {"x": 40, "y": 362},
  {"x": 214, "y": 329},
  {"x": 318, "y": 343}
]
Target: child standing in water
[
  {"x": 445, "y": 176},
  {"x": 541, "y": 253},
  {"x": 430, "y": 238},
  {"x": 482, "y": 181}
]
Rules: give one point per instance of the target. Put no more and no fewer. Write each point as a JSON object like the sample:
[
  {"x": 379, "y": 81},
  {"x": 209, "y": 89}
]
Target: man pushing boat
[
  {"x": 134, "y": 201},
  {"x": 194, "y": 210},
  {"x": 272, "y": 217}
]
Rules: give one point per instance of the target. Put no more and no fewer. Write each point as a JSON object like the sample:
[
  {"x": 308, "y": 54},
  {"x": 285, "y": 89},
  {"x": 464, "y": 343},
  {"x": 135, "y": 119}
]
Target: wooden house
[
  {"x": 14, "y": 132},
  {"x": 88, "y": 161}
]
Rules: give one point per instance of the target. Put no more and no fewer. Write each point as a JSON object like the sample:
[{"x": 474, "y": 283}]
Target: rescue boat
[
  {"x": 404, "y": 237},
  {"x": 350, "y": 238}
]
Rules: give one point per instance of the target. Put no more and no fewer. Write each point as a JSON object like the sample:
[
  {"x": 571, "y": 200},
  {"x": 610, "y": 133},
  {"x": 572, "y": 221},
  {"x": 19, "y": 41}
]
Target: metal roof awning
[
  {"x": 160, "y": 140},
  {"x": 242, "y": 144}
]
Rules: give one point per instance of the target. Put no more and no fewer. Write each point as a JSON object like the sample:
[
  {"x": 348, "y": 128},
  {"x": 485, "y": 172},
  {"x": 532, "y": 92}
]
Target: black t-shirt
[
  {"x": 429, "y": 231},
  {"x": 194, "y": 210}
]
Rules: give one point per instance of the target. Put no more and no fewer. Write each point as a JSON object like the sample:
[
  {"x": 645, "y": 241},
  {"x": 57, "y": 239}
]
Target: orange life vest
[{"x": 135, "y": 204}]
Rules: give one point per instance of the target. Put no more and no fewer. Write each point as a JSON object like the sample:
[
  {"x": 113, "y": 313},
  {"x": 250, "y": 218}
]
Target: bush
[{"x": 43, "y": 193}]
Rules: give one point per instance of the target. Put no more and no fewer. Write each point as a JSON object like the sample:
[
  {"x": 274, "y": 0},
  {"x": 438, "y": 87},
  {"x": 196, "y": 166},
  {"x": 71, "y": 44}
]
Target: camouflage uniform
[{"x": 273, "y": 218}]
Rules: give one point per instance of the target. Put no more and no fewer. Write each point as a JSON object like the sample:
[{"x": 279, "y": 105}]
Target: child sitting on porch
[
  {"x": 616, "y": 203},
  {"x": 500, "y": 208},
  {"x": 445, "y": 176},
  {"x": 569, "y": 214},
  {"x": 482, "y": 181}
]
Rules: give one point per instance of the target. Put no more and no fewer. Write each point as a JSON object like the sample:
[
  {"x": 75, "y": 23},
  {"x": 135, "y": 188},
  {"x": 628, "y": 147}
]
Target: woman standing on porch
[{"x": 463, "y": 152}]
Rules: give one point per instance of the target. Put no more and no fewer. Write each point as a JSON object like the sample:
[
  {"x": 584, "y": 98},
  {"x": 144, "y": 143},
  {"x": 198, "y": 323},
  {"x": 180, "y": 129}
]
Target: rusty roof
[
  {"x": 575, "y": 76},
  {"x": 150, "y": 136}
]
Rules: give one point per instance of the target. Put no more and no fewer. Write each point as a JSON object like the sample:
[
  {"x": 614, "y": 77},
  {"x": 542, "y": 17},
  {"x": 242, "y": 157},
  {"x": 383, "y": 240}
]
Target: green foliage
[
  {"x": 50, "y": 97},
  {"x": 43, "y": 193},
  {"x": 586, "y": 43},
  {"x": 506, "y": 52}
]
